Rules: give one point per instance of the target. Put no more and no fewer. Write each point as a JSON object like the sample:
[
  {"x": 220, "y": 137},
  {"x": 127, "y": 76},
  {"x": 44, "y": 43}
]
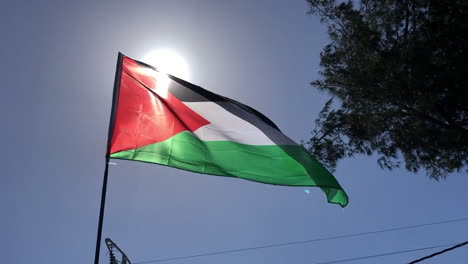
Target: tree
[{"x": 396, "y": 72}]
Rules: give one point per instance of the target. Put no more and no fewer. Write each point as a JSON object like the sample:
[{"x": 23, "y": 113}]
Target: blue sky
[{"x": 58, "y": 63}]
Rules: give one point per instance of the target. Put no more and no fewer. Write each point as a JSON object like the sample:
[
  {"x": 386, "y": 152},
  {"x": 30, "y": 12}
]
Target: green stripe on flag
[{"x": 288, "y": 165}]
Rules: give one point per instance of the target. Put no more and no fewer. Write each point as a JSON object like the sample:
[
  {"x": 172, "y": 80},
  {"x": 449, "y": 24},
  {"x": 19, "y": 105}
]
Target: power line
[
  {"x": 303, "y": 241},
  {"x": 440, "y": 252},
  {"x": 383, "y": 254}
]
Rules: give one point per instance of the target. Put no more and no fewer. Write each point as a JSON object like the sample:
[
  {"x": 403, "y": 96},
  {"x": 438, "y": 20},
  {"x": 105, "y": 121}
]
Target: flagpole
[
  {"x": 115, "y": 96},
  {"x": 101, "y": 213}
]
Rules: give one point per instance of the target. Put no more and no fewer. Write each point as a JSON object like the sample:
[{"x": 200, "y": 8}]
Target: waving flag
[{"x": 162, "y": 119}]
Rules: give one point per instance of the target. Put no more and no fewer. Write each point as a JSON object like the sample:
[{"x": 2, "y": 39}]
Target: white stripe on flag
[{"x": 228, "y": 127}]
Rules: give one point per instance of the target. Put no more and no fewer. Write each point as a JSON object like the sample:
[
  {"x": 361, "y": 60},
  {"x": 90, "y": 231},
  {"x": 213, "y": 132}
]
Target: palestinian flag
[{"x": 162, "y": 119}]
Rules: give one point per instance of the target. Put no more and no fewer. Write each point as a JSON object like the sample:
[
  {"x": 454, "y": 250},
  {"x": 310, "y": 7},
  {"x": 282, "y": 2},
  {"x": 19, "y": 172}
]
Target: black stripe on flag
[{"x": 188, "y": 92}]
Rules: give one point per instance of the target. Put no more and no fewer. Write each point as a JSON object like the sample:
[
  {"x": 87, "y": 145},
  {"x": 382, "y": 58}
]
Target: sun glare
[
  {"x": 169, "y": 62},
  {"x": 166, "y": 62}
]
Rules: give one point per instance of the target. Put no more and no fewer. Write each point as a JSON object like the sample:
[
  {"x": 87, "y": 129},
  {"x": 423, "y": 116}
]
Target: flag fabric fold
[{"x": 162, "y": 119}]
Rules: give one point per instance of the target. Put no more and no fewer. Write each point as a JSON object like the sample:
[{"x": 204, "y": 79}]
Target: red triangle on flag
[{"x": 144, "y": 115}]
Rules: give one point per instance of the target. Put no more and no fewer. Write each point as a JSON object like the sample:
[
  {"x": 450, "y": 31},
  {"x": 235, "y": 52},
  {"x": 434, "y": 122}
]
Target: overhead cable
[
  {"x": 305, "y": 241},
  {"x": 440, "y": 252},
  {"x": 381, "y": 255}
]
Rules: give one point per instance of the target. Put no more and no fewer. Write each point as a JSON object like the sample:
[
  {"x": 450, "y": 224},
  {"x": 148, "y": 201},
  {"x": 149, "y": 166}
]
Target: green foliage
[{"x": 397, "y": 69}]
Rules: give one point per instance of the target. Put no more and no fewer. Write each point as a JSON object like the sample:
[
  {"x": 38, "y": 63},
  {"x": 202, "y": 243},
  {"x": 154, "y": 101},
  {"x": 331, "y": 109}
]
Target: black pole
[
  {"x": 101, "y": 213},
  {"x": 115, "y": 97}
]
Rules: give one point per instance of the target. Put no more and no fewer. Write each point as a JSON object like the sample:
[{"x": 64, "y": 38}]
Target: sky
[{"x": 57, "y": 76}]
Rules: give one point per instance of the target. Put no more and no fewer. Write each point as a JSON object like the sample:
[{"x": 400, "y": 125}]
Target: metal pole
[
  {"x": 115, "y": 97},
  {"x": 101, "y": 213}
]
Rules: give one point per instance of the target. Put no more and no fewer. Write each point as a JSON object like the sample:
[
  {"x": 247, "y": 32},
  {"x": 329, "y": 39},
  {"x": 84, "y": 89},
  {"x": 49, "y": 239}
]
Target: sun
[{"x": 169, "y": 62}]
